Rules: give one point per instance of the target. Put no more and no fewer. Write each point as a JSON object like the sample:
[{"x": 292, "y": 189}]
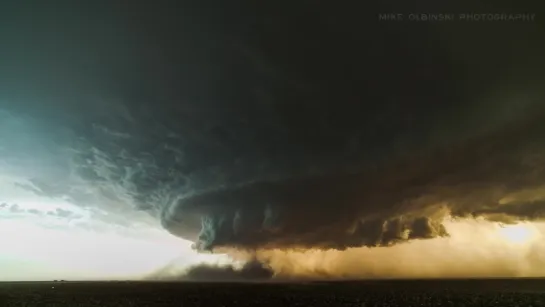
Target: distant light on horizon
[
  {"x": 31, "y": 251},
  {"x": 519, "y": 233}
]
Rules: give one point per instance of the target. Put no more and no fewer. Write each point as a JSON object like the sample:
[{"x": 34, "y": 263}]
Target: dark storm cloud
[
  {"x": 251, "y": 270},
  {"x": 370, "y": 208},
  {"x": 273, "y": 125},
  {"x": 533, "y": 210}
]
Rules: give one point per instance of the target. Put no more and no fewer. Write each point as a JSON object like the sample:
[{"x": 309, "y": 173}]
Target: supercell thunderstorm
[{"x": 333, "y": 132}]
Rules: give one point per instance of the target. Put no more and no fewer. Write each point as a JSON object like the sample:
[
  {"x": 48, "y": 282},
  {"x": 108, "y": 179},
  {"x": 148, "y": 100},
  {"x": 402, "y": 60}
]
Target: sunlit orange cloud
[{"x": 476, "y": 248}]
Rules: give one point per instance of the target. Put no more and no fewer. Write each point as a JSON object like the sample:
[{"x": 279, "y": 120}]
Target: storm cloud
[
  {"x": 276, "y": 126},
  {"x": 370, "y": 208},
  {"x": 251, "y": 270}
]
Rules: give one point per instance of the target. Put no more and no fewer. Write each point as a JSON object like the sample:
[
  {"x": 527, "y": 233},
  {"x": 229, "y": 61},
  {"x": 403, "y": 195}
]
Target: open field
[{"x": 474, "y": 292}]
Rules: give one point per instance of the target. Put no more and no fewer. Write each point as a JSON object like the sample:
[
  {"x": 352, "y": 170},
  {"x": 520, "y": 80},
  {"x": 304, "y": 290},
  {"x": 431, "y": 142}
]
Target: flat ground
[{"x": 475, "y": 292}]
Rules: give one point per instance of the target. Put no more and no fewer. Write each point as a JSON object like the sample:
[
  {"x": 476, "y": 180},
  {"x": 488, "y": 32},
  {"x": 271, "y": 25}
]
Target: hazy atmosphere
[{"x": 301, "y": 141}]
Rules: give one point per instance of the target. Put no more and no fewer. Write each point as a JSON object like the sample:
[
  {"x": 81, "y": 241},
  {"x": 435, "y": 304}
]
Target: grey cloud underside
[
  {"x": 251, "y": 270},
  {"x": 274, "y": 126},
  {"x": 374, "y": 207}
]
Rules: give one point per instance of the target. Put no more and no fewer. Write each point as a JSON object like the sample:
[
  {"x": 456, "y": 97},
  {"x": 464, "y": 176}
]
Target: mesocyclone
[{"x": 272, "y": 126}]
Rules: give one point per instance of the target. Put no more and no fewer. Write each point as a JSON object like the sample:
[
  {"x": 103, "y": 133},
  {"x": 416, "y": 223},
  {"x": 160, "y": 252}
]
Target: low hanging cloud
[
  {"x": 476, "y": 248},
  {"x": 401, "y": 202},
  {"x": 251, "y": 270}
]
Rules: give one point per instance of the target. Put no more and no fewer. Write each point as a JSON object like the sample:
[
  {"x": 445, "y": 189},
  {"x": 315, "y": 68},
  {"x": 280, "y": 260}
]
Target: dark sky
[{"x": 276, "y": 123}]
